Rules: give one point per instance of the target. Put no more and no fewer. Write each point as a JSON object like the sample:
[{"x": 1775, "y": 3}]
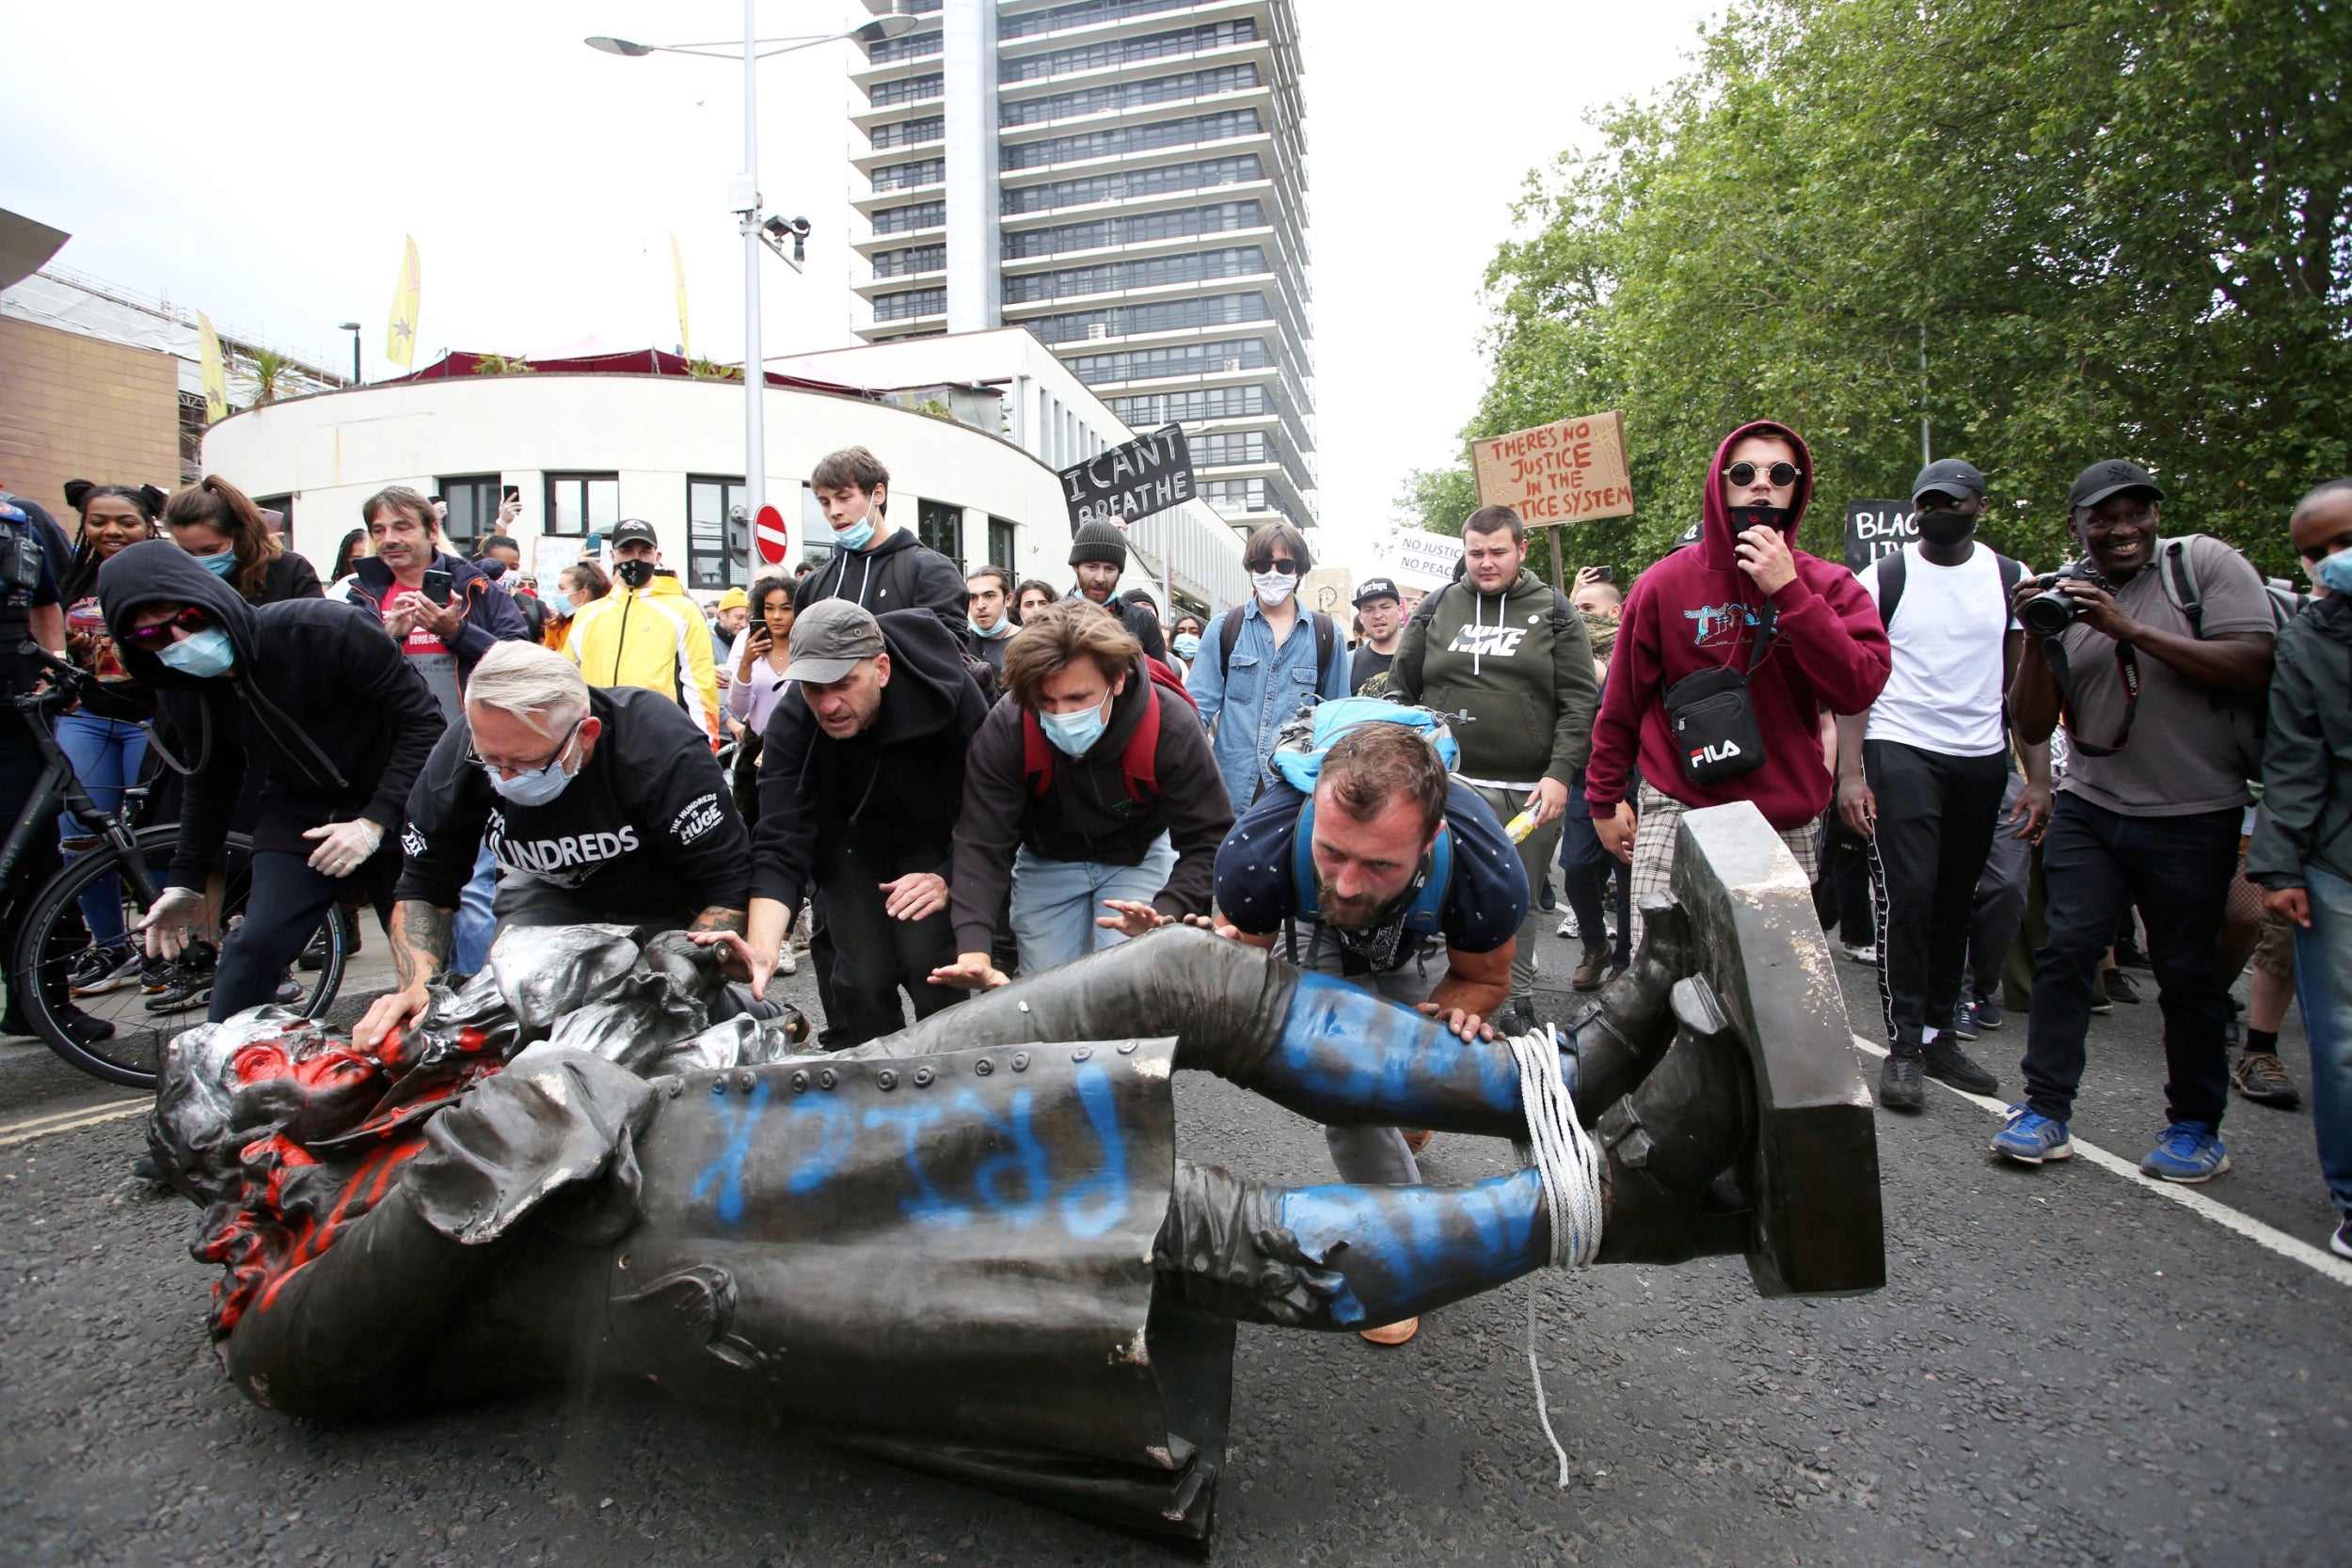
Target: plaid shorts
[{"x": 1660, "y": 814}]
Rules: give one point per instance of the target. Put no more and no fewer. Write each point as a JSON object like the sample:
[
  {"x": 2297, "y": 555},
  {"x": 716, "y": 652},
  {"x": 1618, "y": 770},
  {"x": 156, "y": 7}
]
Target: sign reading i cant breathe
[{"x": 1569, "y": 472}]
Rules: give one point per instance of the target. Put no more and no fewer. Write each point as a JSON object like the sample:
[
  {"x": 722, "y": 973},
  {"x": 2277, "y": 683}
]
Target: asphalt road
[{"x": 2064, "y": 1368}]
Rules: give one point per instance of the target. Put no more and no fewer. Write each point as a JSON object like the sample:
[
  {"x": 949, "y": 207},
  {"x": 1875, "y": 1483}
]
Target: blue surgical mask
[
  {"x": 207, "y": 654},
  {"x": 2336, "y": 572},
  {"x": 559, "y": 605},
  {"x": 856, "y": 538},
  {"x": 1074, "y": 733},
  {"x": 534, "y": 787},
  {"x": 220, "y": 565},
  {"x": 1002, "y": 628},
  {"x": 1186, "y": 645}
]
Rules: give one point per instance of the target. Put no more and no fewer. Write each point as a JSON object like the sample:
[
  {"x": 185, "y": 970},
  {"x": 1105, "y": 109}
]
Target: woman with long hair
[
  {"x": 1030, "y": 597},
  {"x": 765, "y": 651},
  {"x": 218, "y": 524},
  {"x": 577, "y": 586},
  {"x": 101, "y": 736},
  {"x": 354, "y": 545}
]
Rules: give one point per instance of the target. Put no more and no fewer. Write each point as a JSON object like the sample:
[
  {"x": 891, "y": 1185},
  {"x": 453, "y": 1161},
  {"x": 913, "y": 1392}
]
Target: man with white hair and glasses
[{"x": 600, "y": 804}]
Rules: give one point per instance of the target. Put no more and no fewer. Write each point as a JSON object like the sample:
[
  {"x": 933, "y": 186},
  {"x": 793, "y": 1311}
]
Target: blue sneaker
[
  {"x": 1965, "y": 1021},
  {"x": 2030, "y": 1137},
  {"x": 2188, "y": 1151},
  {"x": 1988, "y": 1014}
]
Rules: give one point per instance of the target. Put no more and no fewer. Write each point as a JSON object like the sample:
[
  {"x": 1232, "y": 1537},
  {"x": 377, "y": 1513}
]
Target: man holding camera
[{"x": 2158, "y": 704}]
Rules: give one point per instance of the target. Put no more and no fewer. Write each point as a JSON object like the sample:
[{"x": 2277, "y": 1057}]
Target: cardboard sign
[
  {"x": 1874, "y": 529},
  {"x": 1148, "y": 474},
  {"x": 1425, "y": 560},
  {"x": 1329, "y": 589},
  {"x": 1569, "y": 472}
]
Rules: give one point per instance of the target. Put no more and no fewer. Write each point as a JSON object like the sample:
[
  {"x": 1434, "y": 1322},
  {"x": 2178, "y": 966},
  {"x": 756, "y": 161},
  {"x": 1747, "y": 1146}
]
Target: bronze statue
[{"x": 971, "y": 1248}]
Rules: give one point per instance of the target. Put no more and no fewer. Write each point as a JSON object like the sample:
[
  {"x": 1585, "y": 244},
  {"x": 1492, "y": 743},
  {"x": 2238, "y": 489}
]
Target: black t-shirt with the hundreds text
[{"x": 648, "y": 827}]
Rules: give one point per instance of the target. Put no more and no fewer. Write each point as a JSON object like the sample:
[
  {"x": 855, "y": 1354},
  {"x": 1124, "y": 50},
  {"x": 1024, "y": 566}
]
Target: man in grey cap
[
  {"x": 1098, "y": 554},
  {"x": 1921, "y": 774},
  {"x": 860, "y": 784},
  {"x": 2159, "y": 702}
]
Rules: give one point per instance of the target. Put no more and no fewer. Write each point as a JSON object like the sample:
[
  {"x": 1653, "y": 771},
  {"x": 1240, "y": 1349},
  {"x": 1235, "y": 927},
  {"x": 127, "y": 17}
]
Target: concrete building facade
[{"x": 1126, "y": 180}]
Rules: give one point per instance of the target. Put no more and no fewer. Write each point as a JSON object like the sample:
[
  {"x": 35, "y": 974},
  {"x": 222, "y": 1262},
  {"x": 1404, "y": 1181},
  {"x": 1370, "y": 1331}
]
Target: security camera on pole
[{"x": 743, "y": 201}]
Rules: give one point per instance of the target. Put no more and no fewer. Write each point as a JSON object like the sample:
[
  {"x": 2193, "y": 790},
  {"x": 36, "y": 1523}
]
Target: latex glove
[
  {"x": 342, "y": 845},
  {"x": 166, "y": 927}
]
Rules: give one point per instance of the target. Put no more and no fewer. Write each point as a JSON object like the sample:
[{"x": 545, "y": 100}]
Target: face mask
[
  {"x": 536, "y": 787},
  {"x": 1002, "y": 628},
  {"x": 2335, "y": 572},
  {"x": 209, "y": 653},
  {"x": 559, "y": 605},
  {"x": 1746, "y": 518},
  {"x": 635, "y": 573},
  {"x": 220, "y": 565},
  {"x": 1273, "y": 587},
  {"x": 856, "y": 537},
  {"x": 1944, "y": 529},
  {"x": 1187, "y": 645},
  {"x": 1074, "y": 733}
]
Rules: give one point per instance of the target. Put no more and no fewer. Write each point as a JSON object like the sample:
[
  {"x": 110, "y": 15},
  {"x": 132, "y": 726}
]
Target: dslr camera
[{"x": 2051, "y": 611}]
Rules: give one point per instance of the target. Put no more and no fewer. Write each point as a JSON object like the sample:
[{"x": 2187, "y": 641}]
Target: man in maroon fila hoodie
[{"x": 1705, "y": 608}]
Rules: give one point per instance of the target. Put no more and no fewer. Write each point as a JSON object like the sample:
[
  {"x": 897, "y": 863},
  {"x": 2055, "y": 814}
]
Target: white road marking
[
  {"x": 68, "y": 1122},
  {"x": 2318, "y": 1259}
]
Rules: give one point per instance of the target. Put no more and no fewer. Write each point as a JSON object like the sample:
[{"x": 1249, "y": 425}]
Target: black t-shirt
[
  {"x": 1485, "y": 897},
  {"x": 1370, "y": 661},
  {"x": 648, "y": 828}
]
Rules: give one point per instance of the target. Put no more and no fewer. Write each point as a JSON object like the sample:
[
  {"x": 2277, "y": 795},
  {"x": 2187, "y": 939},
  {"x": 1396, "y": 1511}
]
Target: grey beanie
[{"x": 1099, "y": 542}]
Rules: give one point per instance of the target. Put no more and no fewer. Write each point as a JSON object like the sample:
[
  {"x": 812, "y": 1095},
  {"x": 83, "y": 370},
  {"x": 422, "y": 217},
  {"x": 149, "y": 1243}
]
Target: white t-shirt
[{"x": 1950, "y": 628}]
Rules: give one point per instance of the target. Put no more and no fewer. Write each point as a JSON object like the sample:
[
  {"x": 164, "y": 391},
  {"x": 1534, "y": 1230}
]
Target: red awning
[{"x": 644, "y": 361}]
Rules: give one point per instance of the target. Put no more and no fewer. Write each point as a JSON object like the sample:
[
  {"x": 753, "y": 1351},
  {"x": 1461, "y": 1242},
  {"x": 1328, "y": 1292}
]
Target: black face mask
[
  {"x": 1745, "y": 517},
  {"x": 635, "y": 573},
  {"x": 1944, "y": 529}
]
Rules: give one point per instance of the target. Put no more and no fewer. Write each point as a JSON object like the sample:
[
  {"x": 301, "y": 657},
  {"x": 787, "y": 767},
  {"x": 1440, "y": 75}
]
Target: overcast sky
[{"x": 261, "y": 162}]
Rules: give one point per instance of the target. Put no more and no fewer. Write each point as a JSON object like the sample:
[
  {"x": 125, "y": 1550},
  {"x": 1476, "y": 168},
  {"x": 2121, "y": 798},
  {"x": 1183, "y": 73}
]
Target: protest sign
[
  {"x": 1569, "y": 472},
  {"x": 1425, "y": 560},
  {"x": 1331, "y": 590},
  {"x": 1147, "y": 474},
  {"x": 1874, "y": 529}
]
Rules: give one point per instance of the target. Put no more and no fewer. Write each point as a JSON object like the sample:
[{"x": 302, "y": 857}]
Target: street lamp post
[
  {"x": 744, "y": 199},
  {"x": 353, "y": 327}
]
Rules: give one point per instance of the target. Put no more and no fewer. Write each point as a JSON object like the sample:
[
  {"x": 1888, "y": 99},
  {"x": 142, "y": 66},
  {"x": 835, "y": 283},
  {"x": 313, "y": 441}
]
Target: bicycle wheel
[{"x": 60, "y": 972}]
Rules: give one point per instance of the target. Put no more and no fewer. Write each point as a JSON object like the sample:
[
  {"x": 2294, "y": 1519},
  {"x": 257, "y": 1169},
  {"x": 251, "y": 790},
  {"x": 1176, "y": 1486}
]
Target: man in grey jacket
[{"x": 1509, "y": 653}]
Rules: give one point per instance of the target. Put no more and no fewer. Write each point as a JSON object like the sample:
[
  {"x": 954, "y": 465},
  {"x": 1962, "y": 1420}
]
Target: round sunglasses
[{"x": 1781, "y": 474}]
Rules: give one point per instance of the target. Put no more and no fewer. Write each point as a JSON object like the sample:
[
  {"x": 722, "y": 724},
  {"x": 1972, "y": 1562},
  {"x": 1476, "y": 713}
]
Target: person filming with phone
[{"x": 443, "y": 611}]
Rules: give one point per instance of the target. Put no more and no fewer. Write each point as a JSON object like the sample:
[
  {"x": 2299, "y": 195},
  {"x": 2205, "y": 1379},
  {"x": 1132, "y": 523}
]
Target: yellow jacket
[{"x": 653, "y": 636}]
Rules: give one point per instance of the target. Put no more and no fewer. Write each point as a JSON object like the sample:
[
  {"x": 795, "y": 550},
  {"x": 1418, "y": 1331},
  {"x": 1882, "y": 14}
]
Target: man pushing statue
[{"x": 972, "y": 1246}]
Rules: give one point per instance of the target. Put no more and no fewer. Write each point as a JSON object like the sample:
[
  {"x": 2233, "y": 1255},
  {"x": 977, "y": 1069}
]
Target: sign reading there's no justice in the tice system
[
  {"x": 1571, "y": 471},
  {"x": 1147, "y": 474},
  {"x": 1874, "y": 529}
]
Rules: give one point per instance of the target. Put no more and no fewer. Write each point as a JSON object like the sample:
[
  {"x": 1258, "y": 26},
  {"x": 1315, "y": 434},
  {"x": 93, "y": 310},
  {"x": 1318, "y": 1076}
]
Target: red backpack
[{"x": 1139, "y": 762}]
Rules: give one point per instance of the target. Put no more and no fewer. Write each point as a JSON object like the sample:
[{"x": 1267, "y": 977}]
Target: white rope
[{"x": 1570, "y": 1164}]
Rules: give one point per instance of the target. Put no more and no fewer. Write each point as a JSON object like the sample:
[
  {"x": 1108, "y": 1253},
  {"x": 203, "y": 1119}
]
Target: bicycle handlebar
[{"x": 73, "y": 680}]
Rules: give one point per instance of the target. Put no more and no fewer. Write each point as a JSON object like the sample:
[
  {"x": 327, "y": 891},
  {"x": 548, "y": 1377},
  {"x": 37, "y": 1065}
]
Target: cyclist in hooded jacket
[{"x": 309, "y": 690}]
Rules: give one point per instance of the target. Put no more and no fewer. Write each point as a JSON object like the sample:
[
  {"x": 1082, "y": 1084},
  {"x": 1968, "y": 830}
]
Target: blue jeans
[
  {"x": 105, "y": 754},
  {"x": 1055, "y": 902},
  {"x": 471, "y": 932},
  {"x": 2323, "y": 989}
]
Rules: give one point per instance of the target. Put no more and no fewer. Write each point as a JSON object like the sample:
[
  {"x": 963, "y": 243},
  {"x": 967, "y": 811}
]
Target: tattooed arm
[{"x": 421, "y": 938}]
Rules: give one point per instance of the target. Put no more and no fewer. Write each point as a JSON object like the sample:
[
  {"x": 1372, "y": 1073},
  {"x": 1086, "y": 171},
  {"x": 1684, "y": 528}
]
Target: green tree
[
  {"x": 2124, "y": 227},
  {"x": 266, "y": 374},
  {"x": 1437, "y": 500}
]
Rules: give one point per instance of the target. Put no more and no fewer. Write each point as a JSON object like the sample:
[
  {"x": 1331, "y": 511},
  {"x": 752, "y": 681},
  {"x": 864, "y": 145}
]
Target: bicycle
[{"x": 139, "y": 1004}]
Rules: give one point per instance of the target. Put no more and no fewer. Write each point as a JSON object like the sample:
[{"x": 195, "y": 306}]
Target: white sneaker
[
  {"x": 1567, "y": 925},
  {"x": 786, "y": 962},
  {"x": 1867, "y": 954}
]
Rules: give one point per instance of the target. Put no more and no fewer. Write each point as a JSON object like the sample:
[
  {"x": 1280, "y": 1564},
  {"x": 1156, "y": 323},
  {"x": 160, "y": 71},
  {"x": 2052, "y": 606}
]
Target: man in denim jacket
[{"x": 1264, "y": 661}]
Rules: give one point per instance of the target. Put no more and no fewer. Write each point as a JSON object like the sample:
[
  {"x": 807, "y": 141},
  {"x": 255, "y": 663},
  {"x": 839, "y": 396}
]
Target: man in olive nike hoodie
[{"x": 1510, "y": 652}]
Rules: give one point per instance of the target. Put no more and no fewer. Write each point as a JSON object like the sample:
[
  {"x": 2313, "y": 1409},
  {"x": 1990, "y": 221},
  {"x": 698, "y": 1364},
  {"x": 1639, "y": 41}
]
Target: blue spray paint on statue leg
[
  {"x": 1347, "y": 1058},
  {"x": 1406, "y": 1250}
]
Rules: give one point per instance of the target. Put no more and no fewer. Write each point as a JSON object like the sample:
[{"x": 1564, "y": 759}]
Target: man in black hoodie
[
  {"x": 874, "y": 565},
  {"x": 311, "y": 691},
  {"x": 861, "y": 781}
]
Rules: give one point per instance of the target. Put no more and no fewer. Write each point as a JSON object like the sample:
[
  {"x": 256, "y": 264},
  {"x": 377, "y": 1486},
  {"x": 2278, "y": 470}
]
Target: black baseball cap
[
  {"x": 630, "y": 529},
  {"x": 2112, "y": 477},
  {"x": 1377, "y": 588},
  {"x": 1948, "y": 476}
]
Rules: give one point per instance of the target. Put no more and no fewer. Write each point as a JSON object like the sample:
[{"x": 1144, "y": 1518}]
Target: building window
[
  {"x": 909, "y": 132},
  {"x": 1215, "y": 402},
  {"x": 1157, "y": 46},
  {"x": 1004, "y": 543},
  {"x": 916, "y": 302},
  {"x": 816, "y": 533},
  {"x": 582, "y": 503},
  {"x": 907, "y": 90},
  {"x": 913, "y": 47},
  {"x": 1132, "y": 95},
  {"x": 1192, "y": 266},
  {"x": 1131, "y": 184},
  {"x": 906, "y": 220},
  {"x": 1088, "y": 13},
  {"x": 708, "y": 502},
  {"x": 903, "y": 177},
  {"x": 283, "y": 506},
  {"x": 941, "y": 526},
  {"x": 1129, "y": 139},
  {"x": 1183, "y": 359},
  {"x": 472, "y": 501},
  {"x": 1103, "y": 233},
  {"x": 911, "y": 261}
]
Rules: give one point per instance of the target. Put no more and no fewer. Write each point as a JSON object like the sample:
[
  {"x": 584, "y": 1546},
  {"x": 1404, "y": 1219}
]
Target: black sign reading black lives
[
  {"x": 1874, "y": 529},
  {"x": 1148, "y": 474}
]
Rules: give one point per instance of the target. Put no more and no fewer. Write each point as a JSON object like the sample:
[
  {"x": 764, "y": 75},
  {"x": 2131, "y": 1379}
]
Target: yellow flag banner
[
  {"x": 401, "y": 342},
  {"x": 677, "y": 276},
  {"x": 215, "y": 369}
]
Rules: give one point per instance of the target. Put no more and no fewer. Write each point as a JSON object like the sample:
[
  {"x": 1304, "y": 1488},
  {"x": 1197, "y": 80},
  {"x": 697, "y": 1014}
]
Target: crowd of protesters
[{"x": 2002, "y": 783}]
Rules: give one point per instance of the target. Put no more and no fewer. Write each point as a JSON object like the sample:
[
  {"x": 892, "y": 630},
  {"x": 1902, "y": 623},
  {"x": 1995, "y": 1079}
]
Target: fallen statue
[{"x": 971, "y": 1248}]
